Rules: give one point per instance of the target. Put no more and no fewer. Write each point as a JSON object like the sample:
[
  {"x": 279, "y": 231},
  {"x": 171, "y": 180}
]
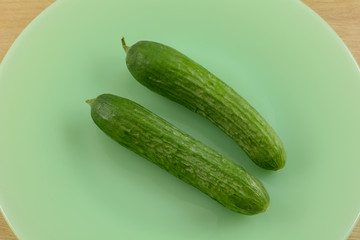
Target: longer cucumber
[
  {"x": 155, "y": 139},
  {"x": 168, "y": 72}
]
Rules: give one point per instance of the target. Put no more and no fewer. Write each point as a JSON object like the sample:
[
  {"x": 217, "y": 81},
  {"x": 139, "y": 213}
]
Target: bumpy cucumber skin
[
  {"x": 155, "y": 139},
  {"x": 169, "y": 73}
]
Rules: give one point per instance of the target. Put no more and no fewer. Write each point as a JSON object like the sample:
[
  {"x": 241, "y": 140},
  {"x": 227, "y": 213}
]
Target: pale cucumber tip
[
  {"x": 267, "y": 207},
  {"x": 90, "y": 101}
]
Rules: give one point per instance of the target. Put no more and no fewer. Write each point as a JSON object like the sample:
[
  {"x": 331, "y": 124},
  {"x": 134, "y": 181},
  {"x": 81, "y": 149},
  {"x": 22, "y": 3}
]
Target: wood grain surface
[{"x": 342, "y": 15}]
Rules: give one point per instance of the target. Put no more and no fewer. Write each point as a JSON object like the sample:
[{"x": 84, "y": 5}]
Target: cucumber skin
[
  {"x": 171, "y": 74},
  {"x": 155, "y": 139}
]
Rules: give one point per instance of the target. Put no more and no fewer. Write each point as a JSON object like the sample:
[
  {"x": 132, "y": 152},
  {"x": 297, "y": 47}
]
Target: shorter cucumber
[
  {"x": 173, "y": 75},
  {"x": 155, "y": 139}
]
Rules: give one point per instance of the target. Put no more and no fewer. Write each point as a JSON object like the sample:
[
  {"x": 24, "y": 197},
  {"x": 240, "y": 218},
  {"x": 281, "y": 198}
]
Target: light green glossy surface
[{"x": 62, "y": 178}]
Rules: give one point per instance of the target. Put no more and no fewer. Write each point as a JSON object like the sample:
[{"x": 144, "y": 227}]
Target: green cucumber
[
  {"x": 155, "y": 139},
  {"x": 170, "y": 73}
]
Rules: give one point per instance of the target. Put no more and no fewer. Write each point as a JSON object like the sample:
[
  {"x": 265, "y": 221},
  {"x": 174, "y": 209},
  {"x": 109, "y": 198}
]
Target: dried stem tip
[
  {"x": 90, "y": 101},
  {"x": 126, "y": 48}
]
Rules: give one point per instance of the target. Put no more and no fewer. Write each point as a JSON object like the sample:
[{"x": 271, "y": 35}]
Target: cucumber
[
  {"x": 171, "y": 74},
  {"x": 155, "y": 139}
]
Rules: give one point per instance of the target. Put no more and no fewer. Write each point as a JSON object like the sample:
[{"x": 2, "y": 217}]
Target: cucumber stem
[
  {"x": 126, "y": 48},
  {"x": 90, "y": 101}
]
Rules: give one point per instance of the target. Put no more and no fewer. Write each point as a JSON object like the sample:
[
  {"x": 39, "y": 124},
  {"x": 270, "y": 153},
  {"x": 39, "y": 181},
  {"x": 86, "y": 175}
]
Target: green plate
[{"x": 62, "y": 178}]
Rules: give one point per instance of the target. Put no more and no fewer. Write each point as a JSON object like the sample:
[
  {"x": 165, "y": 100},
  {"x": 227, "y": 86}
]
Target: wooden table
[{"x": 342, "y": 15}]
